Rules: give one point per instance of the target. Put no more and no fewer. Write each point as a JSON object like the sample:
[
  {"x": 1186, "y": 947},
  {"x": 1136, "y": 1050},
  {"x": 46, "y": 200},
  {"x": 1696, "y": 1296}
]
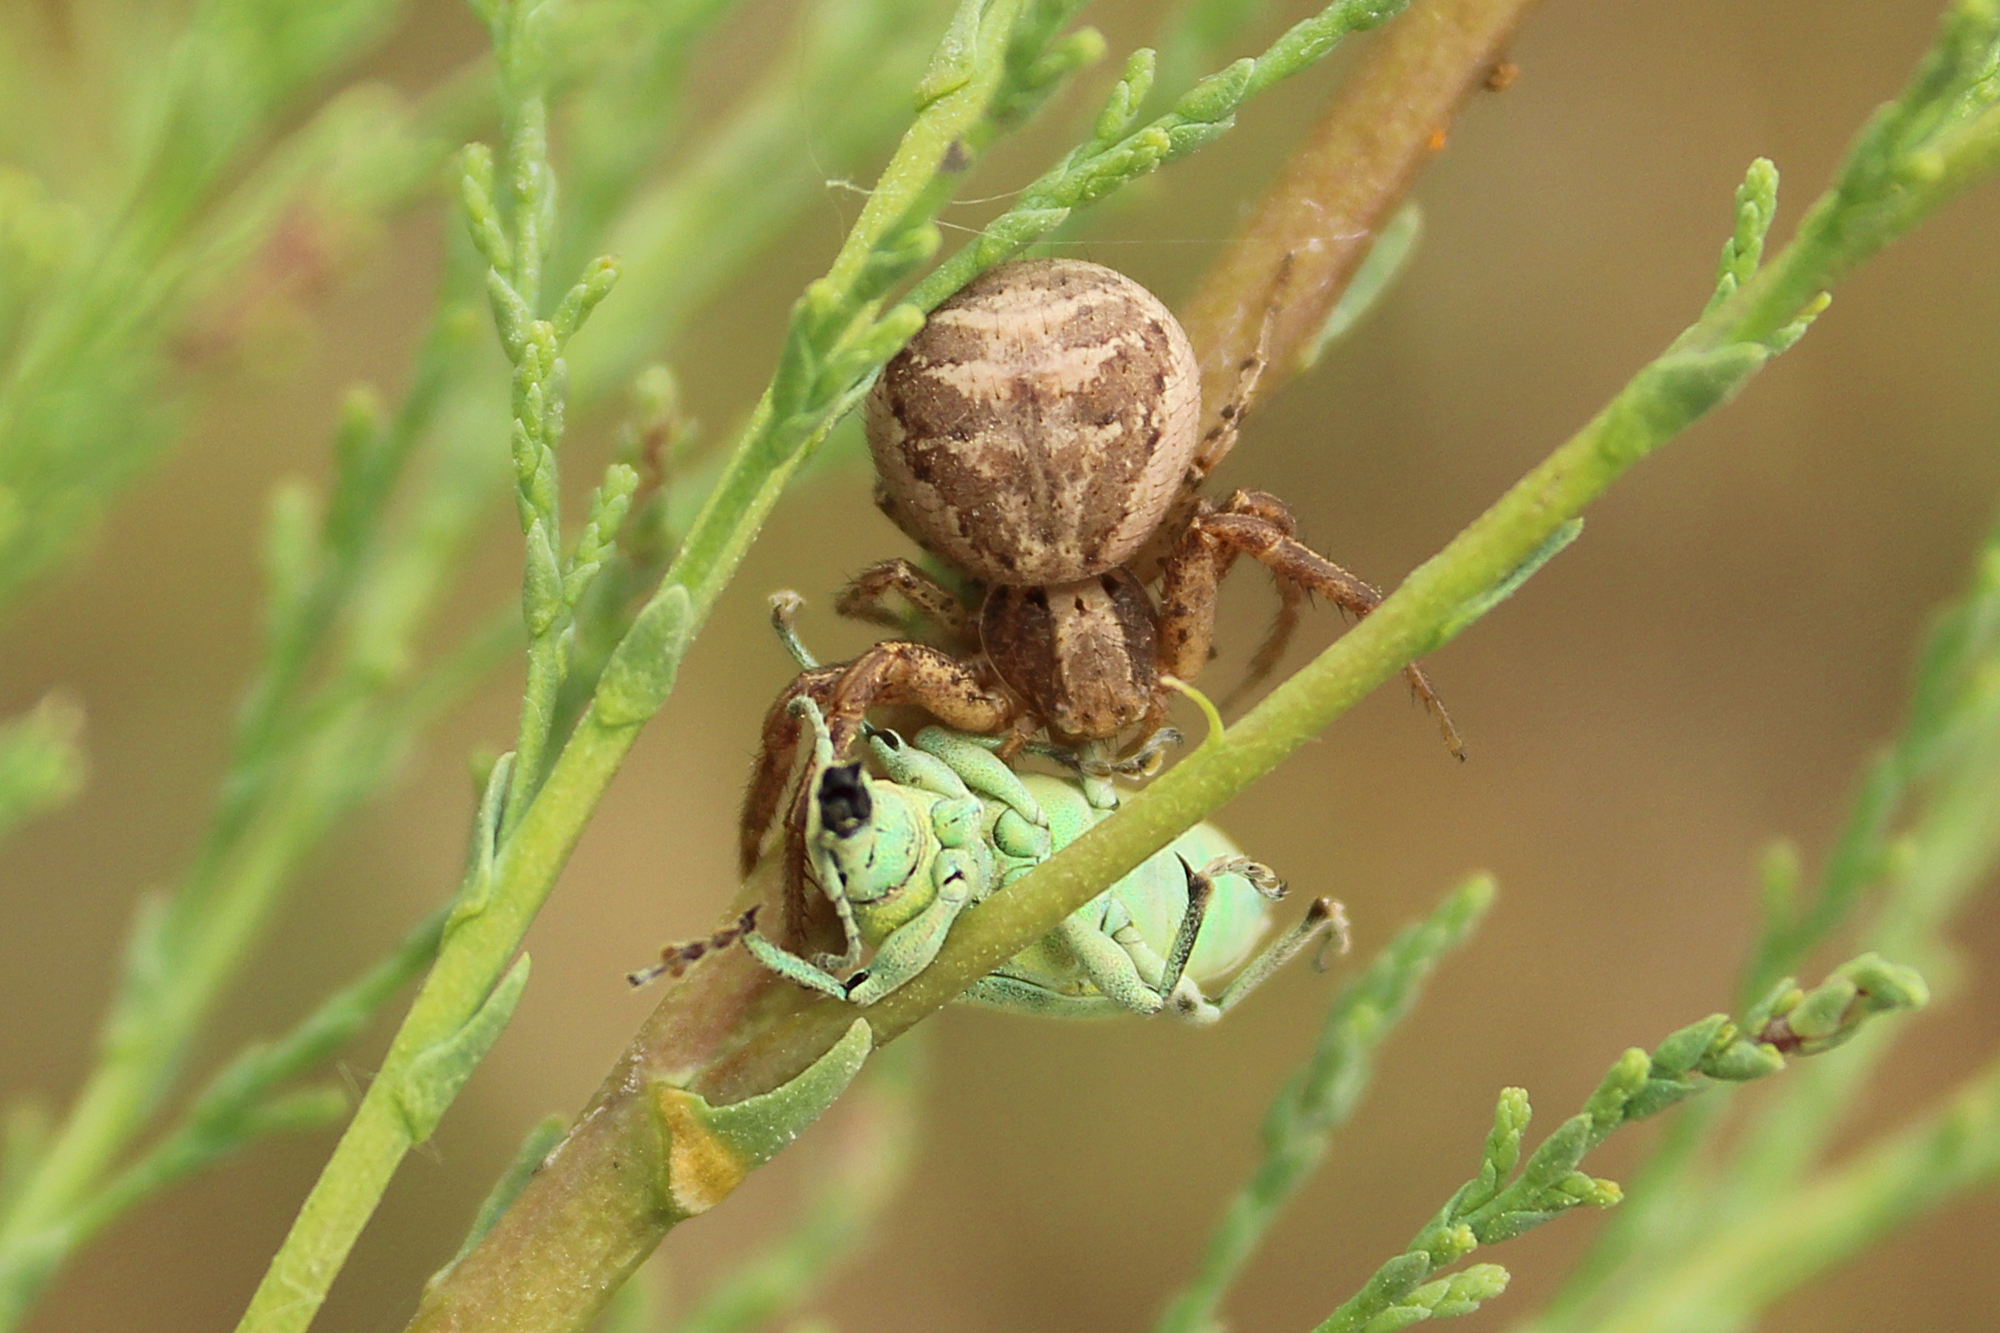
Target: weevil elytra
[
  {"x": 903, "y": 855},
  {"x": 1041, "y": 435}
]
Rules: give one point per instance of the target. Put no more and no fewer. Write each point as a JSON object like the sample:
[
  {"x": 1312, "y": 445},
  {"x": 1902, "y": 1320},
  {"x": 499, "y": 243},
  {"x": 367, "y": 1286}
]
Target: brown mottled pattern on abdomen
[{"x": 1036, "y": 429}]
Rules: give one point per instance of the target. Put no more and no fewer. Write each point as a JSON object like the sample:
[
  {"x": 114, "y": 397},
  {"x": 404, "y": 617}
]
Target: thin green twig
[
  {"x": 247, "y": 1099},
  {"x": 1752, "y": 1258},
  {"x": 1496, "y": 1204}
]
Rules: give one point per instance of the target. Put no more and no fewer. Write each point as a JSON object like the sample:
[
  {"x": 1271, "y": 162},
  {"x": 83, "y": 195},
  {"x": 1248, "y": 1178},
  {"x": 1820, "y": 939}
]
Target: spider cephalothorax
[{"x": 1035, "y": 436}]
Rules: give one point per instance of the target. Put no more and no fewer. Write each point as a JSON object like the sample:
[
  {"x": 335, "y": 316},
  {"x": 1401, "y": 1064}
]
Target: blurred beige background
[{"x": 1703, "y": 671}]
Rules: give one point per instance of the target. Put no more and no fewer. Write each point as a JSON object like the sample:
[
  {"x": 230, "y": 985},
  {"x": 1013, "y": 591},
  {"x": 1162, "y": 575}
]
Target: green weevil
[{"x": 901, "y": 856}]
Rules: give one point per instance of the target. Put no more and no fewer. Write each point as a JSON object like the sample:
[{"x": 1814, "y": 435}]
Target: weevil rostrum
[
  {"x": 902, "y": 855},
  {"x": 1041, "y": 437}
]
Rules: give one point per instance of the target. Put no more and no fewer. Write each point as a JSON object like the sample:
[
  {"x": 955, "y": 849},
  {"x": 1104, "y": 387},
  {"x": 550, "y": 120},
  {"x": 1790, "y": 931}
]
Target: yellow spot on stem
[{"x": 701, "y": 1168}]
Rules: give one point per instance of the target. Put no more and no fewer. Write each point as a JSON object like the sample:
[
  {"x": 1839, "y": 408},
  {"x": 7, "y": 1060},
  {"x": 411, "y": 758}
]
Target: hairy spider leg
[
  {"x": 1256, "y": 525},
  {"x": 777, "y": 748},
  {"x": 865, "y": 598},
  {"x": 1220, "y": 437}
]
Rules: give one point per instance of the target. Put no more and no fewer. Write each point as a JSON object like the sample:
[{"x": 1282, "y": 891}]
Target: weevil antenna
[{"x": 785, "y": 606}]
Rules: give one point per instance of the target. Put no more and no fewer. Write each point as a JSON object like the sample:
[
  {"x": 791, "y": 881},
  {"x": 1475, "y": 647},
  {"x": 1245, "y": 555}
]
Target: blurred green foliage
[{"x": 170, "y": 175}]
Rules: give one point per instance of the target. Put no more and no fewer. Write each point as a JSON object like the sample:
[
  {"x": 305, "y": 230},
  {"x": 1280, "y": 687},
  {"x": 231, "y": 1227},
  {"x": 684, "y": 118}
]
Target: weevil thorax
[
  {"x": 1081, "y": 653},
  {"x": 1037, "y": 428}
]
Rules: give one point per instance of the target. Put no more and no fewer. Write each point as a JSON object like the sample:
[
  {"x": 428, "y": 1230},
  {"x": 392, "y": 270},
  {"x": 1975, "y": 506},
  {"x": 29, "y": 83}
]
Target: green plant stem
[
  {"x": 1498, "y": 1203},
  {"x": 879, "y": 1132},
  {"x": 464, "y": 976},
  {"x": 1322, "y": 1094},
  {"x": 243, "y": 1092},
  {"x": 301, "y": 761}
]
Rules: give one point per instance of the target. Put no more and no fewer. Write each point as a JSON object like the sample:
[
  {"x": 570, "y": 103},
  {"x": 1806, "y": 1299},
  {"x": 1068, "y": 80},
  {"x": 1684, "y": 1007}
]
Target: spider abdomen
[{"x": 1037, "y": 428}]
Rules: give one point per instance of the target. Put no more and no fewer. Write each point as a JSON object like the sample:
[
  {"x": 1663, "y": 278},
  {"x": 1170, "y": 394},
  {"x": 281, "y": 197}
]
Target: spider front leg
[
  {"x": 866, "y": 598},
  {"x": 1259, "y": 526},
  {"x": 776, "y": 752},
  {"x": 895, "y": 672}
]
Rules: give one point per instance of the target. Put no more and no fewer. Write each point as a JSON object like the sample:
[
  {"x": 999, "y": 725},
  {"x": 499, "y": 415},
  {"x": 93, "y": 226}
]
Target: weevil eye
[{"x": 844, "y": 803}]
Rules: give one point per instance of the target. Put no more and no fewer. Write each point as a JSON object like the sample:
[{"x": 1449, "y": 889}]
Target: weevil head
[
  {"x": 864, "y": 832},
  {"x": 844, "y": 802}
]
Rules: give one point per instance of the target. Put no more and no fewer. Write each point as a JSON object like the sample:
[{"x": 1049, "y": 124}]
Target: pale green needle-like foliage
[
  {"x": 99, "y": 279},
  {"x": 1501, "y": 1202},
  {"x": 323, "y": 725},
  {"x": 1119, "y": 150},
  {"x": 1718, "y": 1229},
  {"x": 227, "y": 151},
  {"x": 354, "y": 574},
  {"x": 41, "y": 763}
]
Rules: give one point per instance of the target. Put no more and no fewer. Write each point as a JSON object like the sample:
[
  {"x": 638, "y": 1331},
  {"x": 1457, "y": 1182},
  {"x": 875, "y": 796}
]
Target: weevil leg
[
  {"x": 999, "y": 991},
  {"x": 916, "y": 766},
  {"x": 981, "y": 771},
  {"x": 794, "y": 968},
  {"x": 1188, "y": 1001},
  {"x": 1255, "y": 873},
  {"x": 785, "y": 606},
  {"x": 1109, "y": 963},
  {"x": 1324, "y": 915},
  {"x": 1199, "y": 889}
]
